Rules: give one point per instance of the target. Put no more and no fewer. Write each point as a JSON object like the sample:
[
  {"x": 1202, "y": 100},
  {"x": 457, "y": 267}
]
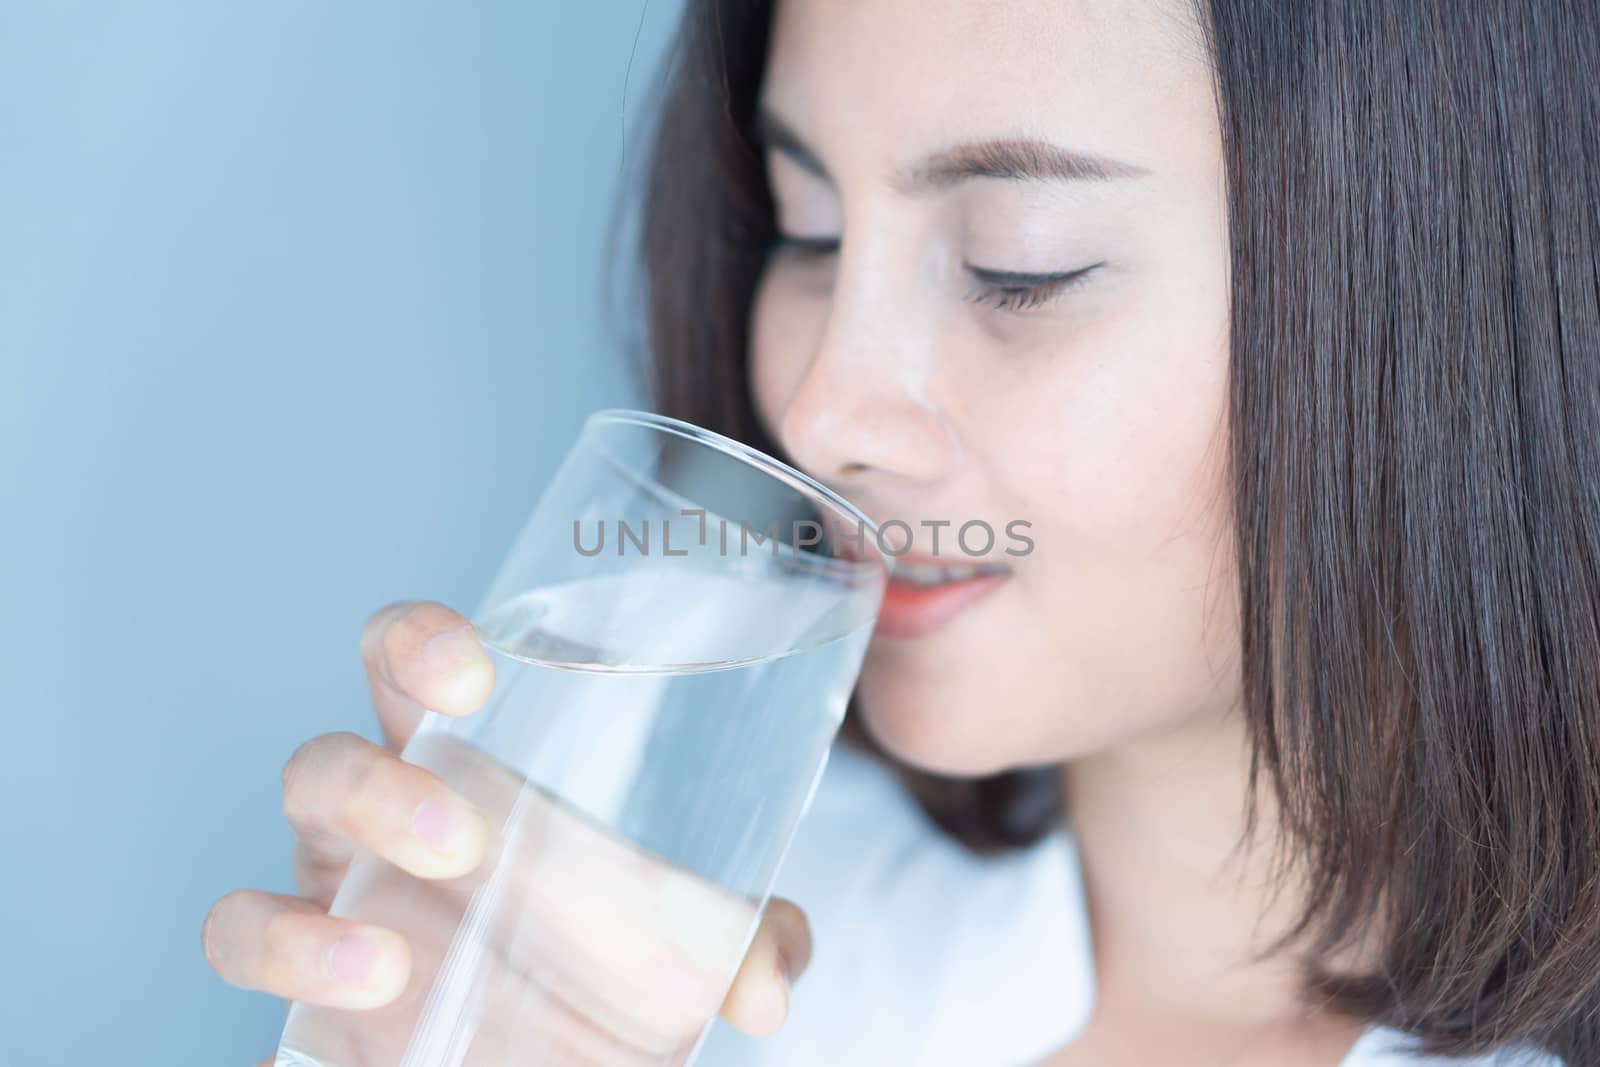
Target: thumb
[{"x": 758, "y": 1002}]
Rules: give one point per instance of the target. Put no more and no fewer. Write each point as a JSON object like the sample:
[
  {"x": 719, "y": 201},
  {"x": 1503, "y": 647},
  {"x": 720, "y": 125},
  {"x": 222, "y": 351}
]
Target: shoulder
[
  {"x": 1382, "y": 1047},
  {"x": 925, "y": 954}
]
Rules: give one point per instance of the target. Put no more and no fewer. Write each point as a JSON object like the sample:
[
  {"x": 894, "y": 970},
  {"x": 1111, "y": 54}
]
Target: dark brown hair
[{"x": 1414, "y": 400}]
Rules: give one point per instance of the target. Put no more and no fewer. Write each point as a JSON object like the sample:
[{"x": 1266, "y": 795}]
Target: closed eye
[
  {"x": 1003, "y": 289},
  {"x": 808, "y": 247},
  {"x": 1017, "y": 291}
]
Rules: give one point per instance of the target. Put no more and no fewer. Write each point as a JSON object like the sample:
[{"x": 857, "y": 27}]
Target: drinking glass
[{"x": 675, "y": 635}]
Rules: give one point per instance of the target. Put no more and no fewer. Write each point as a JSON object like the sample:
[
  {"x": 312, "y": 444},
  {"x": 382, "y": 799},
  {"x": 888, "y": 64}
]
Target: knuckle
[
  {"x": 309, "y": 764},
  {"x": 316, "y": 877},
  {"x": 280, "y": 930},
  {"x": 364, "y": 786},
  {"x": 398, "y": 644},
  {"x": 313, "y": 864},
  {"x": 297, "y": 765},
  {"x": 375, "y": 629},
  {"x": 211, "y": 930}
]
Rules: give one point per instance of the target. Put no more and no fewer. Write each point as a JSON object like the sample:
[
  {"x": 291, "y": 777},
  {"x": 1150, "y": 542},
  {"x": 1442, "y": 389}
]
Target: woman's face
[{"x": 1004, "y": 298}]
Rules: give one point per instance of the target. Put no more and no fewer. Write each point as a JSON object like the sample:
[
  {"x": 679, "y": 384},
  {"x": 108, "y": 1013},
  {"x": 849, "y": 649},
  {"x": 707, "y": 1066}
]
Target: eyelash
[
  {"x": 1015, "y": 291},
  {"x": 1000, "y": 289},
  {"x": 806, "y": 247}
]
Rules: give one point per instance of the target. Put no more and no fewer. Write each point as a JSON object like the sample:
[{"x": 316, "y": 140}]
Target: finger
[
  {"x": 758, "y": 1002},
  {"x": 421, "y": 655},
  {"x": 341, "y": 790},
  {"x": 287, "y": 947}
]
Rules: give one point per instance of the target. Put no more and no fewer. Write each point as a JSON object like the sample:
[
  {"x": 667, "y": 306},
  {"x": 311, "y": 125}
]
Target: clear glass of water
[{"x": 675, "y": 635}]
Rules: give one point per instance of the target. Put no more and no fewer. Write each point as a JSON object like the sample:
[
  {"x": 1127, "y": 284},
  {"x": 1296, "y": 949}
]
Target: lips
[{"x": 924, "y": 595}]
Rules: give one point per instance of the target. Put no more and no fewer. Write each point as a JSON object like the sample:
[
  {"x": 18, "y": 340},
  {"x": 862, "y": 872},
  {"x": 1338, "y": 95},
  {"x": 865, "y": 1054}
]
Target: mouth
[
  {"x": 924, "y": 596},
  {"x": 926, "y": 575}
]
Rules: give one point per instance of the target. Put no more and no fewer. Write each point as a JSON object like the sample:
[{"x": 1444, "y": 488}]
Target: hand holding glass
[{"x": 675, "y": 636}]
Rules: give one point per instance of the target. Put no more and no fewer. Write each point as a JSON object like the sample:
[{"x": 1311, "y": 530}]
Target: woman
[{"x": 1279, "y": 325}]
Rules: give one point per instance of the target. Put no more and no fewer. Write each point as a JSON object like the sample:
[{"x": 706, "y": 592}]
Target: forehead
[{"x": 862, "y": 80}]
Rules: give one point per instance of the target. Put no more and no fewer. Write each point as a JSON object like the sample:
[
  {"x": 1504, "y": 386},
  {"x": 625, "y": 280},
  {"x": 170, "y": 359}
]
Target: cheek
[
  {"x": 785, "y": 324},
  {"x": 1123, "y": 618},
  {"x": 1133, "y": 572}
]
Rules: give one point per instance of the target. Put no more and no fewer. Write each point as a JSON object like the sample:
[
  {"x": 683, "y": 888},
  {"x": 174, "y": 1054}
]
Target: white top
[{"x": 928, "y": 956}]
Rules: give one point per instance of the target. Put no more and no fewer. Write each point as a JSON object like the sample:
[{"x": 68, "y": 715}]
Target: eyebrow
[{"x": 1010, "y": 159}]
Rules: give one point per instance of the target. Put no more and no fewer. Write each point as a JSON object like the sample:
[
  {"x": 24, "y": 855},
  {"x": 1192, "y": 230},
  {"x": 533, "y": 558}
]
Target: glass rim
[{"x": 759, "y": 459}]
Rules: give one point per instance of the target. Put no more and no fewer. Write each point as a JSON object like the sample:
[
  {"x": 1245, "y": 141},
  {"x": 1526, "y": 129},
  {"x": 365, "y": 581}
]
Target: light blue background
[{"x": 299, "y": 304}]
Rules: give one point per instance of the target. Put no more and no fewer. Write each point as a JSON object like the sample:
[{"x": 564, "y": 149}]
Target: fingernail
[
  {"x": 352, "y": 958},
  {"x": 439, "y": 823},
  {"x": 447, "y": 653}
]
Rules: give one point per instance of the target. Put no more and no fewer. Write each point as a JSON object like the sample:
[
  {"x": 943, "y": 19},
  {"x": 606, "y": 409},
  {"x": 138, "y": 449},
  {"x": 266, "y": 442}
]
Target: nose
[{"x": 860, "y": 415}]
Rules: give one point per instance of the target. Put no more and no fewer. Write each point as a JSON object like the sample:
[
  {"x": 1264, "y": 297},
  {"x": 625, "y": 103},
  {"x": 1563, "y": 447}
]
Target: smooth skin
[{"x": 341, "y": 792}]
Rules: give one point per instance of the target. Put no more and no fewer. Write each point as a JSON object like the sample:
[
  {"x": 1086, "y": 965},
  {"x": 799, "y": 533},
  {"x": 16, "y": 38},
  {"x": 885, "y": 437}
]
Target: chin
[
  {"x": 949, "y": 719},
  {"x": 940, "y": 732}
]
